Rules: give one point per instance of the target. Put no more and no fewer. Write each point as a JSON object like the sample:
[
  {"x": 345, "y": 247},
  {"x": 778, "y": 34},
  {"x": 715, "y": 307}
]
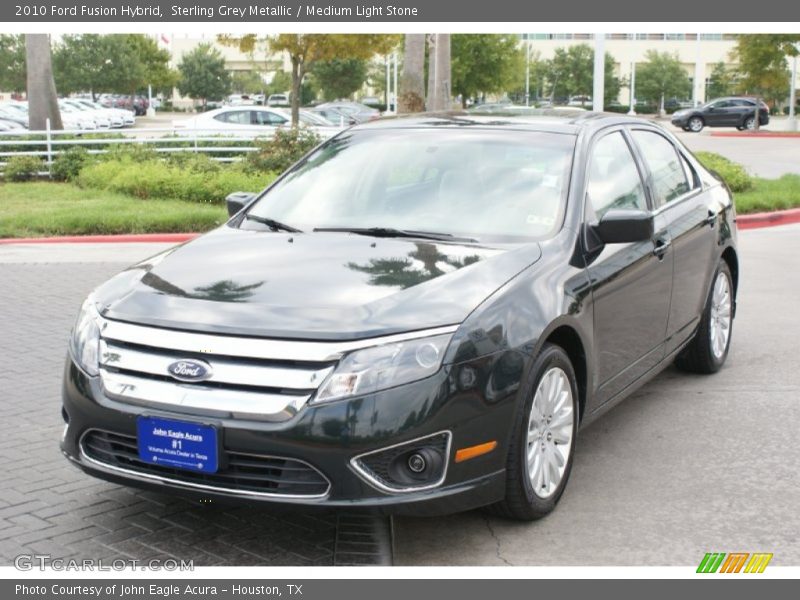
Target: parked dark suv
[
  {"x": 418, "y": 316},
  {"x": 722, "y": 112}
]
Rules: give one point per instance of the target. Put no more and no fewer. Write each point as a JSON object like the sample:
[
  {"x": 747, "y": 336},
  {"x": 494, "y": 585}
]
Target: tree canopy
[
  {"x": 485, "y": 63},
  {"x": 340, "y": 77},
  {"x": 763, "y": 68},
  {"x": 12, "y": 63},
  {"x": 571, "y": 73},
  {"x": 661, "y": 76},
  {"x": 203, "y": 75}
]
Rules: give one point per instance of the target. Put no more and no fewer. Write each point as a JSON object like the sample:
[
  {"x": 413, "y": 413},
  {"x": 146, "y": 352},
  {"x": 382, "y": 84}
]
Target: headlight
[
  {"x": 85, "y": 341},
  {"x": 382, "y": 367}
]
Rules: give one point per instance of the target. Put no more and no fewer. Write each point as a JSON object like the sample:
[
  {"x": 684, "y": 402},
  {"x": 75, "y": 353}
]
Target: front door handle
[
  {"x": 661, "y": 247},
  {"x": 711, "y": 220}
]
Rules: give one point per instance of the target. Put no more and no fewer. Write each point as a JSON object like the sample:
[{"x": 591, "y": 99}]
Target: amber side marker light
[{"x": 473, "y": 451}]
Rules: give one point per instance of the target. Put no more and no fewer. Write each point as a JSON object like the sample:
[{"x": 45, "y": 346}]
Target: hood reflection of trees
[{"x": 404, "y": 272}]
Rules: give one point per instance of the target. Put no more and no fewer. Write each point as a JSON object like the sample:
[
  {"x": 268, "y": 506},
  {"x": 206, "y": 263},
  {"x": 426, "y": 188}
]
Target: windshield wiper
[
  {"x": 272, "y": 223},
  {"x": 390, "y": 232}
]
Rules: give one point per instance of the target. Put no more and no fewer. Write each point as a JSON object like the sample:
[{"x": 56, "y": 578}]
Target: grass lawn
[
  {"x": 39, "y": 209},
  {"x": 770, "y": 194}
]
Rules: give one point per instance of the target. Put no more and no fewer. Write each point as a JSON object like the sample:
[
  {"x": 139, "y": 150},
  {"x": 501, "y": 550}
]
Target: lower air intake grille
[{"x": 246, "y": 473}]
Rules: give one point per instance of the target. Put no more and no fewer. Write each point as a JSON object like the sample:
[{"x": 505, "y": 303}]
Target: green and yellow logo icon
[{"x": 734, "y": 562}]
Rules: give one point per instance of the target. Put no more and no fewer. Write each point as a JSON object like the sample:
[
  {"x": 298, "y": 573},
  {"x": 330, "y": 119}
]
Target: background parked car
[
  {"x": 278, "y": 100},
  {"x": 358, "y": 112},
  {"x": 251, "y": 119},
  {"x": 723, "y": 112}
]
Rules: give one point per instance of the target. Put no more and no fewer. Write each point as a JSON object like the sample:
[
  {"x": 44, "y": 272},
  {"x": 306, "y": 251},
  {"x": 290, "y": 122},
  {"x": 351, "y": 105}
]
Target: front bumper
[{"x": 474, "y": 409}]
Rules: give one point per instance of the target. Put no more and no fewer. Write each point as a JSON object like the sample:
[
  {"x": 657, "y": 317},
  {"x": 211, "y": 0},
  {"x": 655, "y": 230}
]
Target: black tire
[
  {"x": 696, "y": 124},
  {"x": 521, "y": 503},
  {"x": 749, "y": 123},
  {"x": 698, "y": 356},
  {"x": 685, "y": 128}
]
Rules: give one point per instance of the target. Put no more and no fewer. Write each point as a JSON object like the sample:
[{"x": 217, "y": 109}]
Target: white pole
[
  {"x": 599, "y": 71},
  {"x": 395, "y": 94},
  {"x": 793, "y": 96},
  {"x": 388, "y": 91},
  {"x": 527, "y": 71},
  {"x": 697, "y": 74},
  {"x": 632, "y": 111}
]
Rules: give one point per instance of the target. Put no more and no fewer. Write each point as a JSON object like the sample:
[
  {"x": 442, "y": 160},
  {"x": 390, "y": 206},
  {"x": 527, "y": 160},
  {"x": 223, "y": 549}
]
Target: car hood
[{"x": 310, "y": 286}]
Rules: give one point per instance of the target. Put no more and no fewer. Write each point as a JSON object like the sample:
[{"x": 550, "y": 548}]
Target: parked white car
[
  {"x": 70, "y": 121},
  {"x": 119, "y": 117},
  {"x": 250, "y": 120}
]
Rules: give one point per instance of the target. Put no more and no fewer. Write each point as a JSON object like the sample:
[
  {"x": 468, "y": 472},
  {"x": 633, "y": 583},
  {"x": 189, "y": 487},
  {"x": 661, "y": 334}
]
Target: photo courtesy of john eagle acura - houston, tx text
[{"x": 418, "y": 317}]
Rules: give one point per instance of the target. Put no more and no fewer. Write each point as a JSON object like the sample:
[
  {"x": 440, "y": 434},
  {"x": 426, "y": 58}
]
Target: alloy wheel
[
  {"x": 550, "y": 432},
  {"x": 696, "y": 124},
  {"x": 720, "y": 324}
]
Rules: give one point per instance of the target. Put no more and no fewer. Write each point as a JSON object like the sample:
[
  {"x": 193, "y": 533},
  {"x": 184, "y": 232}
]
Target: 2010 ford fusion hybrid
[{"x": 418, "y": 317}]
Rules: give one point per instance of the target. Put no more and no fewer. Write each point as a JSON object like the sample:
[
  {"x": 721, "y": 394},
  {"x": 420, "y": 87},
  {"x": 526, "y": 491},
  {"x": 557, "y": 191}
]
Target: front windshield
[{"x": 478, "y": 183}]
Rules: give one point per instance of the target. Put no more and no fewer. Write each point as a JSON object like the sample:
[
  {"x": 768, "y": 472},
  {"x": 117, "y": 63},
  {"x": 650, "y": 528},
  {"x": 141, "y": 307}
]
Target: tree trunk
[
  {"x": 443, "y": 95},
  {"x": 430, "y": 97},
  {"x": 297, "y": 84},
  {"x": 412, "y": 83},
  {"x": 42, "y": 98}
]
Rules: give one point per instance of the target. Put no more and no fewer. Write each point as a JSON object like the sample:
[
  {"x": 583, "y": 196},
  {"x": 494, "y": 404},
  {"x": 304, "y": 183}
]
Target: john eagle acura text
[{"x": 418, "y": 316}]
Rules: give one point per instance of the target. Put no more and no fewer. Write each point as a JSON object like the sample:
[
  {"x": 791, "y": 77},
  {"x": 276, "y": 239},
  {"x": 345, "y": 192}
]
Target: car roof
[{"x": 558, "y": 121}]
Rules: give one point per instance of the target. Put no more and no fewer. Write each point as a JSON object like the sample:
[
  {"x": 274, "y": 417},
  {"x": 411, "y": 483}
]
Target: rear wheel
[
  {"x": 749, "y": 123},
  {"x": 543, "y": 443},
  {"x": 696, "y": 124},
  {"x": 707, "y": 351}
]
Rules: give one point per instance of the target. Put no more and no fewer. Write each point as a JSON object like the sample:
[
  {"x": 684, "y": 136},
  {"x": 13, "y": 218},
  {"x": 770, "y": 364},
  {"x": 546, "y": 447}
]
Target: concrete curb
[
  {"x": 768, "y": 219},
  {"x": 165, "y": 238},
  {"x": 751, "y": 221}
]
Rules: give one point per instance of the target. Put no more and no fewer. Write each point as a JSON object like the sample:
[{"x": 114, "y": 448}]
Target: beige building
[{"x": 698, "y": 54}]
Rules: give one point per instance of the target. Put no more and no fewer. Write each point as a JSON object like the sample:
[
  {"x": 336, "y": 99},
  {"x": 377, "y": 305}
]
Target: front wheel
[
  {"x": 543, "y": 442},
  {"x": 707, "y": 351},
  {"x": 696, "y": 124}
]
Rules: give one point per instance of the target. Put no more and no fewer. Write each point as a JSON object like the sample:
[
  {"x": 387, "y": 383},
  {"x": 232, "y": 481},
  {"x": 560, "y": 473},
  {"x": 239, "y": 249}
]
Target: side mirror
[
  {"x": 624, "y": 226},
  {"x": 238, "y": 200}
]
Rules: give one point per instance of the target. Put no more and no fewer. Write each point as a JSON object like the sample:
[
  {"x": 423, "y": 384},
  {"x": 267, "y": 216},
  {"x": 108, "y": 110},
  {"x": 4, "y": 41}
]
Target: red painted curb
[
  {"x": 768, "y": 219},
  {"x": 765, "y": 134},
  {"x": 169, "y": 238}
]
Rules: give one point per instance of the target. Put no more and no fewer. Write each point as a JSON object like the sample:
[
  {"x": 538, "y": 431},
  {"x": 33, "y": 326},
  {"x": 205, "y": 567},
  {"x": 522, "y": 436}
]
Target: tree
[
  {"x": 720, "y": 81},
  {"x": 571, "y": 73},
  {"x": 42, "y": 97},
  {"x": 247, "y": 82},
  {"x": 203, "y": 75},
  {"x": 411, "y": 96},
  {"x": 306, "y": 48},
  {"x": 12, "y": 63},
  {"x": 115, "y": 63},
  {"x": 485, "y": 64},
  {"x": 439, "y": 68},
  {"x": 763, "y": 69},
  {"x": 339, "y": 77},
  {"x": 661, "y": 76}
]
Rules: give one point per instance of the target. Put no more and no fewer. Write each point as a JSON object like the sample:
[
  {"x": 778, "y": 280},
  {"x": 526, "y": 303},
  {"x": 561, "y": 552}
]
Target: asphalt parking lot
[{"x": 688, "y": 465}]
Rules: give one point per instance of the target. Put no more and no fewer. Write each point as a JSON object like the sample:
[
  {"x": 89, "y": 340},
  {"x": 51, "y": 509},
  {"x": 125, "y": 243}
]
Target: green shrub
[
  {"x": 732, "y": 173},
  {"x": 137, "y": 152},
  {"x": 284, "y": 149},
  {"x": 196, "y": 179},
  {"x": 22, "y": 168},
  {"x": 69, "y": 163},
  {"x": 195, "y": 162}
]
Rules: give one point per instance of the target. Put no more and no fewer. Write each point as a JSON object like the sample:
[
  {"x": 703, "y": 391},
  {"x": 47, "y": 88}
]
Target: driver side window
[{"x": 614, "y": 180}]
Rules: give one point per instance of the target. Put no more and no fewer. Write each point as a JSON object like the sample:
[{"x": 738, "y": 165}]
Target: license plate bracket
[{"x": 178, "y": 444}]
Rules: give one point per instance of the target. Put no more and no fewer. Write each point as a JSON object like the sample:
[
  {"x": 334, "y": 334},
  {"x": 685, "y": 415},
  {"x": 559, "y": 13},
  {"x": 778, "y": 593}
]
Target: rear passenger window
[
  {"x": 614, "y": 180},
  {"x": 669, "y": 180}
]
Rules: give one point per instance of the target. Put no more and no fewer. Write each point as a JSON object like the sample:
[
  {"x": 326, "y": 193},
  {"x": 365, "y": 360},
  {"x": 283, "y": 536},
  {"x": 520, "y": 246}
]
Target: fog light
[{"x": 417, "y": 463}]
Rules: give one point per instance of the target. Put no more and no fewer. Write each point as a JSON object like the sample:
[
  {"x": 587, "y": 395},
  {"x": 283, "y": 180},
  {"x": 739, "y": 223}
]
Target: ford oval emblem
[{"x": 189, "y": 370}]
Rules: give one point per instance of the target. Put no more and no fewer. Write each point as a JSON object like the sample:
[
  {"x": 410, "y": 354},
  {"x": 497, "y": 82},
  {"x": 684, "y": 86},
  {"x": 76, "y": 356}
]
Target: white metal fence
[{"x": 219, "y": 145}]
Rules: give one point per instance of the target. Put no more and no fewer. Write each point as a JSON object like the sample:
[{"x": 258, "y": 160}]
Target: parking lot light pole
[
  {"x": 599, "y": 71},
  {"x": 793, "y": 92},
  {"x": 632, "y": 111}
]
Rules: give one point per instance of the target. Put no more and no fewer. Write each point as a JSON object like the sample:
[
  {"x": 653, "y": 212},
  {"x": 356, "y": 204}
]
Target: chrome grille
[{"x": 254, "y": 378}]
